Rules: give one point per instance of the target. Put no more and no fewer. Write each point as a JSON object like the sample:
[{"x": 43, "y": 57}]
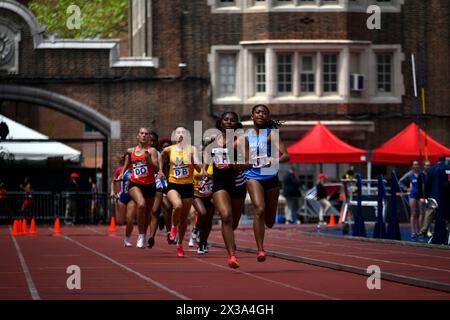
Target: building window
[
  {"x": 241, "y": 6},
  {"x": 227, "y": 3},
  {"x": 325, "y": 2},
  {"x": 384, "y": 73},
  {"x": 227, "y": 74},
  {"x": 330, "y": 73},
  {"x": 283, "y": 2},
  {"x": 260, "y": 73},
  {"x": 307, "y": 74},
  {"x": 284, "y": 73}
]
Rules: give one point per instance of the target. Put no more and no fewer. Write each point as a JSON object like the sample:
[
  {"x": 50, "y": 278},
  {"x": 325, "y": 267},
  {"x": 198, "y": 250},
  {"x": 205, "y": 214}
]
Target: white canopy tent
[{"x": 33, "y": 151}]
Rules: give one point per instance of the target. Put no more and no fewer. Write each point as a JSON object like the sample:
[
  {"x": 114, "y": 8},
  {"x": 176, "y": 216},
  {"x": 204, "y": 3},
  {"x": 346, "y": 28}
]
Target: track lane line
[
  {"x": 354, "y": 256},
  {"x": 318, "y": 294},
  {"x": 136, "y": 273},
  {"x": 356, "y": 247},
  {"x": 417, "y": 282},
  {"x": 26, "y": 271}
]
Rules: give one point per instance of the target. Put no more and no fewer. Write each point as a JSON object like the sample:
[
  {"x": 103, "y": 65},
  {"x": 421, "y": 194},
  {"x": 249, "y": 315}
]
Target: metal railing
[{"x": 71, "y": 207}]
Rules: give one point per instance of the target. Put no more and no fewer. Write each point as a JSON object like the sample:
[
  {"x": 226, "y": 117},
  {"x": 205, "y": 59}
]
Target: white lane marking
[
  {"x": 140, "y": 275},
  {"x": 271, "y": 281},
  {"x": 354, "y": 256},
  {"x": 245, "y": 273},
  {"x": 26, "y": 271},
  {"x": 272, "y": 233}
]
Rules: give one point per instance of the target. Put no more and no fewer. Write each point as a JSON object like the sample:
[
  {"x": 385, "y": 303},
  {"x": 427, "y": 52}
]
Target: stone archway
[
  {"x": 67, "y": 106},
  {"x": 59, "y": 103}
]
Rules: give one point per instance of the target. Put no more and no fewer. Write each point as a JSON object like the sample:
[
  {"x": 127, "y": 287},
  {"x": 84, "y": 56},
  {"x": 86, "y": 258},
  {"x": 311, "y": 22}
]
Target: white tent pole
[
  {"x": 369, "y": 174},
  {"x": 369, "y": 170}
]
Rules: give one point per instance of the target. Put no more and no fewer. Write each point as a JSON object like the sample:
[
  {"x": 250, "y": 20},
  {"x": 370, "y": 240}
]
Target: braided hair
[
  {"x": 156, "y": 136},
  {"x": 270, "y": 124}
]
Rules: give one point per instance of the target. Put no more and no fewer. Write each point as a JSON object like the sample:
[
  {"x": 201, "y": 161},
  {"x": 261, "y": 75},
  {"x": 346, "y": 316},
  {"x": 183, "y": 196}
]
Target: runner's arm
[{"x": 162, "y": 159}]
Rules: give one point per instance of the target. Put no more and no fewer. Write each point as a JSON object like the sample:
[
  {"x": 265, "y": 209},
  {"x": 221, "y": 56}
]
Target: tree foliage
[{"x": 104, "y": 18}]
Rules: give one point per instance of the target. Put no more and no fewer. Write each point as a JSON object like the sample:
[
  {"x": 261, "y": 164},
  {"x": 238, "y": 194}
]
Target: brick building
[
  {"x": 303, "y": 58},
  {"x": 192, "y": 60}
]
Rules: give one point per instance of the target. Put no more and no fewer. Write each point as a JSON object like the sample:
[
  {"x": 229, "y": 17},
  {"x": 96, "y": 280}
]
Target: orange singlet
[{"x": 142, "y": 173}]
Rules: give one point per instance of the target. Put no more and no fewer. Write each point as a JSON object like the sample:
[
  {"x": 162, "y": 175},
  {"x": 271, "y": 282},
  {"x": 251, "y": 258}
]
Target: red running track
[
  {"x": 34, "y": 267},
  {"x": 415, "y": 262}
]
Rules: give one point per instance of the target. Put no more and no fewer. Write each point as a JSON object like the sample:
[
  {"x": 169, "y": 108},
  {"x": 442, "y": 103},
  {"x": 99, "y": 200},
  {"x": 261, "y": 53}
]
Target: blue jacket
[
  {"x": 437, "y": 185},
  {"x": 291, "y": 185}
]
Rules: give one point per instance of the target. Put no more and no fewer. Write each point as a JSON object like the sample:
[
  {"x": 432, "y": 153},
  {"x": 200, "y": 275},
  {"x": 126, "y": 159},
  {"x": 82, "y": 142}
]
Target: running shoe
[
  {"x": 140, "y": 242},
  {"x": 261, "y": 256},
  {"x": 200, "y": 250},
  {"x": 180, "y": 252},
  {"x": 233, "y": 263},
  {"x": 205, "y": 248},
  {"x": 127, "y": 243},
  {"x": 173, "y": 233},
  {"x": 194, "y": 234},
  {"x": 168, "y": 238},
  {"x": 151, "y": 242},
  {"x": 191, "y": 242}
]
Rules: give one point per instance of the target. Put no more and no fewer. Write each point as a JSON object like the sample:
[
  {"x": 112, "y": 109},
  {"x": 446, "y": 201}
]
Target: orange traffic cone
[
  {"x": 112, "y": 225},
  {"x": 15, "y": 231},
  {"x": 57, "y": 227},
  {"x": 19, "y": 226},
  {"x": 24, "y": 226},
  {"x": 33, "y": 227},
  {"x": 332, "y": 223}
]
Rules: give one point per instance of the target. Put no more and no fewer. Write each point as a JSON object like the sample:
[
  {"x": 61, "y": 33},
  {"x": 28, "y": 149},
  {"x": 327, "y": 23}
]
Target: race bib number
[
  {"x": 261, "y": 162},
  {"x": 221, "y": 158},
  {"x": 141, "y": 171},
  {"x": 181, "y": 172},
  {"x": 206, "y": 189},
  {"x": 126, "y": 187}
]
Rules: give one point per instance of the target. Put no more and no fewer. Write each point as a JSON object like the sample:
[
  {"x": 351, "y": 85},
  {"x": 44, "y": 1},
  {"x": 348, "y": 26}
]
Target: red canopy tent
[
  {"x": 320, "y": 145},
  {"x": 404, "y": 147}
]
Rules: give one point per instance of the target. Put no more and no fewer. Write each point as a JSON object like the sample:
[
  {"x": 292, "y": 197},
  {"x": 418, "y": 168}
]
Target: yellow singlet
[
  {"x": 181, "y": 169},
  {"x": 206, "y": 191}
]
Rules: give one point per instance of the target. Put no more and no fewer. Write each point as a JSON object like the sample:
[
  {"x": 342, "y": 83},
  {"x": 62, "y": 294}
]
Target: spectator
[
  {"x": 437, "y": 186},
  {"x": 291, "y": 191},
  {"x": 350, "y": 187},
  {"x": 428, "y": 210},
  {"x": 95, "y": 215},
  {"x": 3, "y": 201},
  {"x": 414, "y": 195},
  {"x": 322, "y": 197},
  {"x": 27, "y": 201},
  {"x": 73, "y": 189}
]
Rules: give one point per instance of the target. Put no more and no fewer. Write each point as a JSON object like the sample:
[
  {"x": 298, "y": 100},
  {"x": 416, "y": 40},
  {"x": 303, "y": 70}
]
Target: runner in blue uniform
[
  {"x": 262, "y": 180},
  {"x": 126, "y": 205},
  {"x": 414, "y": 198}
]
